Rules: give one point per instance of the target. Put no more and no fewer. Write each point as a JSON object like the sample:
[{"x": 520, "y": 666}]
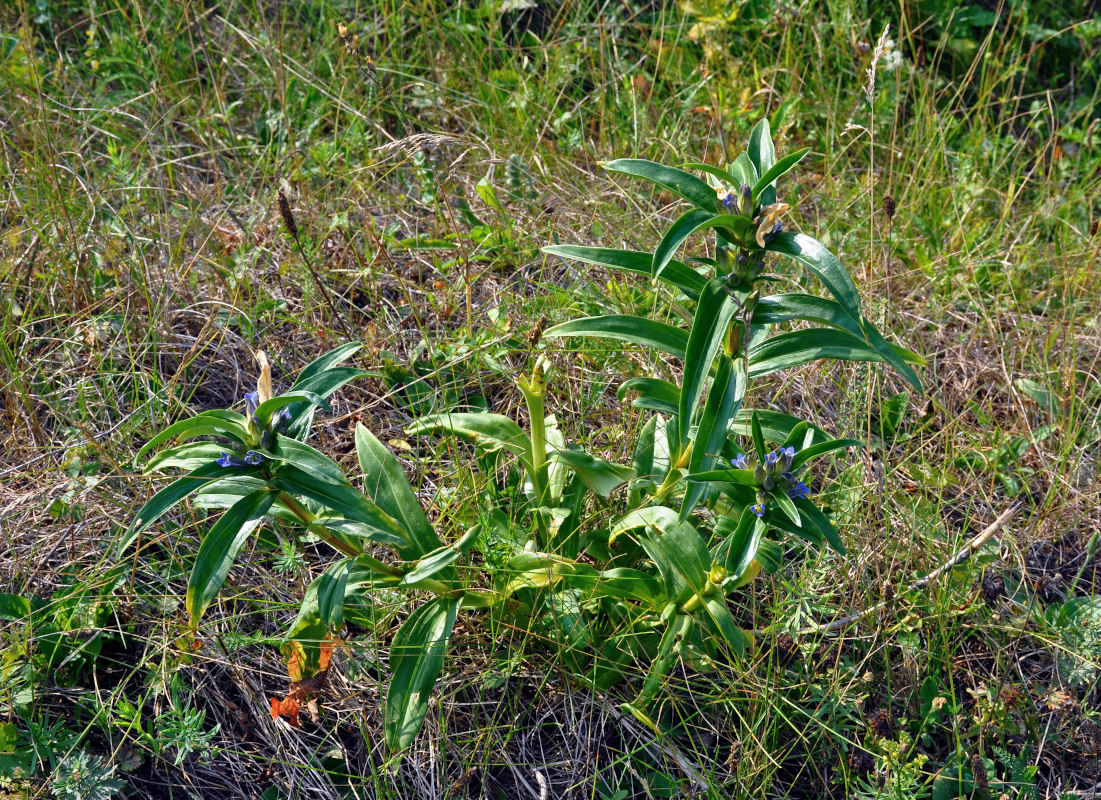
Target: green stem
[{"x": 309, "y": 519}]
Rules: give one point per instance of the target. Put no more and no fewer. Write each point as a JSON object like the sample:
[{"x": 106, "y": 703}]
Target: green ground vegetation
[{"x": 428, "y": 151}]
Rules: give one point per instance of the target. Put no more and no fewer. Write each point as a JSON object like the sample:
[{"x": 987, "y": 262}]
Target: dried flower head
[
  {"x": 860, "y": 761},
  {"x": 881, "y": 723},
  {"x": 993, "y": 586}
]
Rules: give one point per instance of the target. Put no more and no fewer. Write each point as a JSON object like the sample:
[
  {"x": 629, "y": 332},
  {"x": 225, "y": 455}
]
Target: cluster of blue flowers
[
  {"x": 253, "y": 458},
  {"x": 772, "y": 474}
]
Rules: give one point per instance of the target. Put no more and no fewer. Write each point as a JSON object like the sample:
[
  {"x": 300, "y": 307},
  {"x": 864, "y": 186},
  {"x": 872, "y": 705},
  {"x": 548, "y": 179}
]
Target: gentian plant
[{"x": 713, "y": 489}]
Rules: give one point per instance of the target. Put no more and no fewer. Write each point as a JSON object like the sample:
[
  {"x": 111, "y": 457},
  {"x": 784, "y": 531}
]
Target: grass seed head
[{"x": 287, "y": 215}]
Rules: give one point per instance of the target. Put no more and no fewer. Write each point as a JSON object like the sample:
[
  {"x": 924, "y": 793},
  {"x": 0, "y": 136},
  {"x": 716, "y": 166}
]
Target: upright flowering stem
[{"x": 535, "y": 395}]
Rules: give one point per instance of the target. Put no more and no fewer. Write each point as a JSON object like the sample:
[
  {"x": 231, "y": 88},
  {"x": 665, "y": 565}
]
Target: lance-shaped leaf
[
  {"x": 189, "y": 455},
  {"x": 654, "y": 394},
  {"x": 488, "y": 430},
  {"x": 416, "y": 658},
  {"x": 269, "y": 407},
  {"x": 744, "y": 170},
  {"x": 632, "y": 584},
  {"x": 785, "y": 307},
  {"x": 775, "y": 425},
  {"x": 738, "y": 549},
  {"x": 217, "y": 422},
  {"x": 636, "y": 330},
  {"x": 732, "y": 226},
  {"x": 326, "y": 362},
  {"x": 341, "y": 499},
  {"x": 322, "y": 384},
  {"x": 685, "y": 184},
  {"x": 680, "y": 627},
  {"x": 777, "y": 170},
  {"x": 813, "y": 255},
  {"x": 723, "y": 400},
  {"x": 599, "y": 475},
  {"x": 219, "y": 549},
  {"x": 762, "y": 152},
  {"x": 787, "y": 506},
  {"x": 815, "y": 450},
  {"x": 308, "y": 459},
  {"x": 386, "y": 484},
  {"x": 723, "y": 622},
  {"x": 659, "y": 518},
  {"x": 332, "y": 588},
  {"x": 795, "y": 348},
  {"x": 676, "y": 273},
  {"x": 713, "y": 315},
  {"x": 169, "y": 496},
  {"x": 814, "y": 517}
]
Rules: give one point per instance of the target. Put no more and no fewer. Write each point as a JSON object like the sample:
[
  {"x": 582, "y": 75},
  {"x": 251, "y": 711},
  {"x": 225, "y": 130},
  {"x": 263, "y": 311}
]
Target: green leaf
[
  {"x": 815, "y": 450},
  {"x": 758, "y": 436},
  {"x": 219, "y": 549},
  {"x": 737, "y": 551},
  {"x": 716, "y": 172},
  {"x": 719, "y": 613},
  {"x": 713, "y": 315},
  {"x": 599, "y": 475},
  {"x": 387, "y": 486},
  {"x": 744, "y": 170},
  {"x": 813, "y": 255},
  {"x": 322, "y": 384},
  {"x": 632, "y": 584},
  {"x": 659, "y": 518},
  {"x": 675, "y": 180},
  {"x": 795, "y": 348},
  {"x": 434, "y": 562},
  {"x": 686, "y": 551},
  {"x": 651, "y": 456},
  {"x": 492, "y": 430},
  {"x": 780, "y": 168},
  {"x": 676, "y": 273},
  {"x": 209, "y": 423},
  {"x": 169, "y": 496},
  {"x": 190, "y": 455},
  {"x": 654, "y": 394},
  {"x": 269, "y": 407},
  {"x": 814, "y": 516},
  {"x": 776, "y": 426},
  {"x": 332, "y": 588},
  {"x": 734, "y": 227},
  {"x": 762, "y": 152},
  {"x": 636, "y": 330},
  {"x": 787, "y": 506},
  {"x": 416, "y": 658},
  {"x": 723, "y": 400},
  {"x": 343, "y": 500},
  {"x": 306, "y": 458},
  {"x": 326, "y": 362}
]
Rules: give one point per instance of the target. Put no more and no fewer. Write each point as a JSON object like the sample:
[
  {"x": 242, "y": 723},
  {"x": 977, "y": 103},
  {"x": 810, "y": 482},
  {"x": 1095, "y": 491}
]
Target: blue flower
[
  {"x": 800, "y": 489},
  {"x": 728, "y": 198},
  {"x": 226, "y": 460},
  {"x": 788, "y": 451},
  {"x": 252, "y": 458},
  {"x": 740, "y": 462},
  {"x": 758, "y": 509},
  {"x": 772, "y": 458},
  {"x": 282, "y": 419},
  {"x": 252, "y": 402}
]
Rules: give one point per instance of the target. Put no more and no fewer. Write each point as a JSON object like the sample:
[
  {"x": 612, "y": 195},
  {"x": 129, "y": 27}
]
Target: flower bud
[
  {"x": 745, "y": 201},
  {"x": 734, "y": 339}
]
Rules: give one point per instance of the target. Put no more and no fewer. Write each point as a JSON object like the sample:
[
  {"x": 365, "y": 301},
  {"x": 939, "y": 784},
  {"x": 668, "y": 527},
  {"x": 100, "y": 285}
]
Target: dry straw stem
[{"x": 964, "y": 554}]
